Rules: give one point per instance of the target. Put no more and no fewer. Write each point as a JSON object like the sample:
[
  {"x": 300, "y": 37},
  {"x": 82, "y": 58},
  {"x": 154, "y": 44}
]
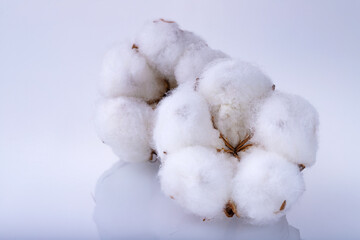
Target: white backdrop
[{"x": 50, "y": 58}]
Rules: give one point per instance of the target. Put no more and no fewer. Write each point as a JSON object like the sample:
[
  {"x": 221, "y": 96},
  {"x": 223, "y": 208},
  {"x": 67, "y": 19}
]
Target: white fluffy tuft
[
  {"x": 232, "y": 88},
  {"x": 163, "y": 43},
  {"x": 262, "y": 182},
  {"x": 199, "y": 179},
  {"x": 126, "y": 73},
  {"x": 194, "y": 61},
  {"x": 288, "y": 125},
  {"x": 183, "y": 120},
  {"x": 125, "y": 125}
]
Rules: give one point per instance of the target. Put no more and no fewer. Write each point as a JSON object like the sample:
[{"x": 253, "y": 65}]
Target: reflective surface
[{"x": 130, "y": 205}]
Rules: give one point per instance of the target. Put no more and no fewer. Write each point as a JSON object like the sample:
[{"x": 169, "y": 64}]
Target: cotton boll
[
  {"x": 232, "y": 88},
  {"x": 162, "y": 43},
  {"x": 194, "y": 60},
  {"x": 124, "y": 124},
  {"x": 126, "y": 73},
  {"x": 199, "y": 179},
  {"x": 263, "y": 181},
  {"x": 288, "y": 125},
  {"x": 182, "y": 120}
]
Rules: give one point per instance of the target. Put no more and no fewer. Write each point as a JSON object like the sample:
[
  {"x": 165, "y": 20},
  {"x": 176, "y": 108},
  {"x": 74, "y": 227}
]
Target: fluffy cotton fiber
[
  {"x": 126, "y": 73},
  {"x": 162, "y": 43},
  {"x": 125, "y": 125},
  {"x": 193, "y": 62},
  {"x": 183, "y": 120},
  {"x": 288, "y": 125},
  {"x": 263, "y": 181},
  {"x": 232, "y": 88},
  {"x": 199, "y": 179}
]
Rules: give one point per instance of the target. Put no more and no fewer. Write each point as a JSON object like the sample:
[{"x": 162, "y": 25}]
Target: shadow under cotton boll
[{"x": 130, "y": 205}]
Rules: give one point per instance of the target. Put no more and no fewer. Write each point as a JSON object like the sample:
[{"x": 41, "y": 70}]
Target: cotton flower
[
  {"x": 228, "y": 142},
  {"x": 125, "y": 125},
  {"x": 199, "y": 179}
]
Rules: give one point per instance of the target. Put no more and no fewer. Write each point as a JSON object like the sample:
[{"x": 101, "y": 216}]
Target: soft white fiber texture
[
  {"x": 232, "y": 89},
  {"x": 163, "y": 43},
  {"x": 262, "y": 182},
  {"x": 288, "y": 125},
  {"x": 183, "y": 120},
  {"x": 126, "y": 73},
  {"x": 125, "y": 125},
  {"x": 199, "y": 179},
  {"x": 194, "y": 60}
]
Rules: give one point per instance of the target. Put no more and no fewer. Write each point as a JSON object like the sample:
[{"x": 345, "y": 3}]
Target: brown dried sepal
[
  {"x": 282, "y": 207},
  {"x": 230, "y": 209},
  {"x": 273, "y": 87},
  {"x": 301, "y": 167},
  {"x": 151, "y": 159},
  {"x": 134, "y": 46}
]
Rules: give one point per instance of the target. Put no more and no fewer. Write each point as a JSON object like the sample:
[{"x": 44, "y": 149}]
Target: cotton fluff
[
  {"x": 194, "y": 60},
  {"x": 183, "y": 120},
  {"x": 288, "y": 125},
  {"x": 263, "y": 181},
  {"x": 126, "y": 73},
  {"x": 199, "y": 179},
  {"x": 232, "y": 89},
  {"x": 125, "y": 125},
  {"x": 162, "y": 43}
]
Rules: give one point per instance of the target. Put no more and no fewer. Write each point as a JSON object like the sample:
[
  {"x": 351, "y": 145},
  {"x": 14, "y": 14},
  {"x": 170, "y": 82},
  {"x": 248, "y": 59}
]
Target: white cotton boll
[
  {"x": 199, "y": 179},
  {"x": 125, "y": 125},
  {"x": 162, "y": 43},
  {"x": 288, "y": 125},
  {"x": 194, "y": 60},
  {"x": 126, "y": 73},
  {"x": 182, "y": 120},
  {"x": 232, "y": 88},
  {"x": 263, "y": 181}
]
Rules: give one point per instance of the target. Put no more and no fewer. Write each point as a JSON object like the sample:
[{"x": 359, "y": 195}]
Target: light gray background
[{"x": 50, "y": 58}]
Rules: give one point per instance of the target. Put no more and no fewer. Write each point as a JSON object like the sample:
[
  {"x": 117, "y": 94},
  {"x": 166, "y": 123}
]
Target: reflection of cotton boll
[
  {"x": 126, "y": 73},
  {"x": 262, "y": 183},
  {"x": 194, "y": 60},
  {"x": 232, "y": 88},
  {"x": 183, "y": 119},
  {"x": 288, "y": 124},
  {"x": 199, "y": 179},
  {"x": 162, "y": 43},
  {"x": 124, "y": 124}
]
